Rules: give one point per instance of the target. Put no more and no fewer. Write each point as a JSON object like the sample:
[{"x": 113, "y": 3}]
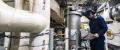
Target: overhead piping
[{"x": 15, "y": 20}]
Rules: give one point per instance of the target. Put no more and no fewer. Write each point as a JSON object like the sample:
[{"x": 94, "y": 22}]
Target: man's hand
[
  {"x": 91, "y": 36},
  {"x": 96, "y": 35}
]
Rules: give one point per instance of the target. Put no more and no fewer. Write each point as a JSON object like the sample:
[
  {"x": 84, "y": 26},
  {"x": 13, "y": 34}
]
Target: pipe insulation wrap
[
  {"x": 42, "y": 7},
  {"x": 19, "y": 4},
  {"x": 15, "y": 20}
]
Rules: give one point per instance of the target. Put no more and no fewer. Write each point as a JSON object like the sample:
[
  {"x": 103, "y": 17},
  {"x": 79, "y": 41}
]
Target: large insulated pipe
[
  {"x": 10, "y": 41},
  {"x": 31, "y": 2},
  {"x": 41, "y": 7},
  {"x": 15, "y": 20},
  {"x": 74, "y": 30},
  {"x": 19, "y": 4}
]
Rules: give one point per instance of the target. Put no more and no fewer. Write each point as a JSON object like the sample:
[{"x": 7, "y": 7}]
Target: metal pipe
[
  {"x": 66, "y": 39},
  {"x": 51, "y": 39},
  {"x": 15, "y": 20},
  {"x": 67, "y": 31},
  {"x": 74, "y": 29}
]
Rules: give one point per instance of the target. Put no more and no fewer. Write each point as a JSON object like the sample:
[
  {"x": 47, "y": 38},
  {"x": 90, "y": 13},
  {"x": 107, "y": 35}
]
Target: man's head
[{"x": 92, "y": 14}]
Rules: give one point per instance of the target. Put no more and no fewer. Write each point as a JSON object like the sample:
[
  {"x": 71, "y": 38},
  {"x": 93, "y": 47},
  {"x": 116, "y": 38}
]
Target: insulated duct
[{"x": 15, "y": 20}]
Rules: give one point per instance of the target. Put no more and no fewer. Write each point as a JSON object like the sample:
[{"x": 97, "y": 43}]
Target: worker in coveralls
[{"x": 98, "y": 27}]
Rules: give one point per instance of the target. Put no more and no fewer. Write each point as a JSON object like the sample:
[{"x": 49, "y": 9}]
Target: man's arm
[{"x": 103, "y": 26}]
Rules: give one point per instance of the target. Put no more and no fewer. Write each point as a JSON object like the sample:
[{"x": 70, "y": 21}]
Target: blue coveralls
[{"x": 98, "y": 26}]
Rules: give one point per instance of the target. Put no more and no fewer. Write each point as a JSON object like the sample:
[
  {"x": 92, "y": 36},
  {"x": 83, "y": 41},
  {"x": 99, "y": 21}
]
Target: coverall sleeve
[
  {"x": 103, "y": 27},
  {"x": 91, "y": 29}
]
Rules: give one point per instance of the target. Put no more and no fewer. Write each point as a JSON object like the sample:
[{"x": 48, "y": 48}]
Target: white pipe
[
  {"x": 51, "y": 39},
  {"x": 24, "y": 42},
  {"x": 66, "y": 39},
  {"x": 14, "y": 20},
  {"x": 41, "y": 7},
  {"x": 7, "y": 40},
  {"x": 31, "y": 2},
  {"x": 19, "y": 4},
  {"x": 101, "y": 7}
]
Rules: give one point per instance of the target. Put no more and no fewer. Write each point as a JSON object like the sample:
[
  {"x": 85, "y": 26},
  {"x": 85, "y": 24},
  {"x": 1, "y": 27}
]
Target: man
[{"x": 98, "y": 28}]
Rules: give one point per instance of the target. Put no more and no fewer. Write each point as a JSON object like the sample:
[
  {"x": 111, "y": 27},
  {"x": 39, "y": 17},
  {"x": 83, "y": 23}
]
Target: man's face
[{"x": 92, "y": 16}]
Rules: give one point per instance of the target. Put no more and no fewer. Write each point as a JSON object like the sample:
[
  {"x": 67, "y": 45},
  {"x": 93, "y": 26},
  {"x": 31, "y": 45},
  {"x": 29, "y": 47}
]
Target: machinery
[
  {"x": 65, "y": 36},
  {"x": 18, "y": 22},
  {"x": 74, "y": 22}
]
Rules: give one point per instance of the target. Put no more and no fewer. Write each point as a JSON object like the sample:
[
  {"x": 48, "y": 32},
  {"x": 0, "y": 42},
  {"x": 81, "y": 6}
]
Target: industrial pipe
[
  {"x": 74, "y": 30},
  {"x": 41, "y": 7},
  {"x": 12, "y": 43},
  {"x": 19, "y": 4},
  {"x": 15, "y": 20},
  {"x": 31, "y": 2}
]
